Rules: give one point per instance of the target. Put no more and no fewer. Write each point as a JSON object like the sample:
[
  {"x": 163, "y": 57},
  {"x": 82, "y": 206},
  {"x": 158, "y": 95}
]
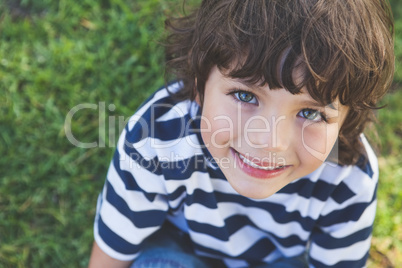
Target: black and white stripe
[{"x": 161, "y": 171}]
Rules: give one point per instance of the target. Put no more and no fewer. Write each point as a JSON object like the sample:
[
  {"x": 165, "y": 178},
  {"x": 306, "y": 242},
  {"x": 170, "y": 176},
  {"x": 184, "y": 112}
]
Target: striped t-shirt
[{"x": 162, "y": 172}]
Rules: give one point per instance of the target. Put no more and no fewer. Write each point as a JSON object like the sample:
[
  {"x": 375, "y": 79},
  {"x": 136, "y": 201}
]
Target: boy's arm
[
  {"x": 343, "y": 234},
  {"x": 100, "y": 259}
]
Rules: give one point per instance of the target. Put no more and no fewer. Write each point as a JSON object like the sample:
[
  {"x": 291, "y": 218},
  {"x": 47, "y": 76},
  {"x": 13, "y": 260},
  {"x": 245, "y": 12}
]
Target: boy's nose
[{"x": 272, "y": 134}]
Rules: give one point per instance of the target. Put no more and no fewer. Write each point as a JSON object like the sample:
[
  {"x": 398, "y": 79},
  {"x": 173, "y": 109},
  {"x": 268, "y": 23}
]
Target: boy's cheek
[
  {"x": 218, "y": 133},
  {"x": 318, "y": 144},
  {"x": 219, "y": 125}
]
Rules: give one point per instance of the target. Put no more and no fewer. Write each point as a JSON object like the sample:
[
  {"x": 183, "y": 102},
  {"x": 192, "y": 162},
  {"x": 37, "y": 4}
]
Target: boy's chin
[
  {"x": 254, "y": 192},
  {"x": 256, "y": 195}
]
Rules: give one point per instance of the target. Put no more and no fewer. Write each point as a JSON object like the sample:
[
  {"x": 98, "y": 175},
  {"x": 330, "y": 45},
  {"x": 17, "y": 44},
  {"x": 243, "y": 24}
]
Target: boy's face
[{"x": 263, "y": 139}]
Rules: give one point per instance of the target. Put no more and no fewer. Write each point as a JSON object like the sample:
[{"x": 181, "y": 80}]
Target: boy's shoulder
[
  {"x": 163, "y": 101},
  {"x": 366, "y": 166},
  {"x": 340, "y": 183},
  {"x": 162, "y": 116},
  {"x": 163, "y": 129}
]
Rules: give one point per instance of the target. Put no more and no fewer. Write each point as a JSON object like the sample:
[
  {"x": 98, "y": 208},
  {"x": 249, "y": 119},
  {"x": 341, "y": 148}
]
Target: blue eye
[
  {"x": 311, "y": 114},
  {"x": 245, "y": 97}
]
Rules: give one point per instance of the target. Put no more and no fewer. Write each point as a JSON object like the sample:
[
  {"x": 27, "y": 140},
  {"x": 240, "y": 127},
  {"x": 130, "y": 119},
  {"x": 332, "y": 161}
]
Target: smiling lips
[
  {"x": 254, "y": 165},
  {"x": 256, "y": 169}
]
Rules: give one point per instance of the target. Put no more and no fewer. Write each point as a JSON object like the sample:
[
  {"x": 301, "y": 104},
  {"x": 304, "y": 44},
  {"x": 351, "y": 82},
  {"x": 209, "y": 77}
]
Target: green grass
[
  {"x": 52, "y": 58},
  {"x": 387, "y": 241},
  {"x": 55, "y": 55}
]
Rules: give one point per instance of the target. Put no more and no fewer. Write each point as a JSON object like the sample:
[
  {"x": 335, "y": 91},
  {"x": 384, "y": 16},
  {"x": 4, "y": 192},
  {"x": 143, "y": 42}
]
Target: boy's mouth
[
  {"x": 256, "y": 168},
  {"x": 255, "y": 165},
  {"x": 258, "y": 163}
]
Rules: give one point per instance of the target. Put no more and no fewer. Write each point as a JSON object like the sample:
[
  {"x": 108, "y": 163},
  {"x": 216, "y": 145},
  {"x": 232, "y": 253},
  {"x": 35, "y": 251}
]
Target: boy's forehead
[
  {"x": 259, "y": 80},
  {"x": 273, "y": 66}
]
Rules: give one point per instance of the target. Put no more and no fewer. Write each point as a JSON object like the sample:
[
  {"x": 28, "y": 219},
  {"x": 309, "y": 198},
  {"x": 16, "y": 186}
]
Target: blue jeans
[{"x": 171, "y": 248}]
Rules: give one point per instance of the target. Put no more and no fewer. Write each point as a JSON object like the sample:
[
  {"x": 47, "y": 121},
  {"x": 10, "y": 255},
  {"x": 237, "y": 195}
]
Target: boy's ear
[
  {"x": 197, "y": 99},
  {"x": 196, "y": 93}
]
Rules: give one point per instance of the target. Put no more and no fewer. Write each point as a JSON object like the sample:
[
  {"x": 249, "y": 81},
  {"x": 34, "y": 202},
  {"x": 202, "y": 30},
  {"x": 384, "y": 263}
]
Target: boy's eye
[
  {"x": 245, "y": 97},
  {"x": 311, "y": 114}
]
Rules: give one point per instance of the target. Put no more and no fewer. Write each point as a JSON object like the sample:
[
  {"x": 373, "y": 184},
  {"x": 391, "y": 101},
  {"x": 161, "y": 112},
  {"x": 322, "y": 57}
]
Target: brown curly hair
[{"x": 345, "y": 48}]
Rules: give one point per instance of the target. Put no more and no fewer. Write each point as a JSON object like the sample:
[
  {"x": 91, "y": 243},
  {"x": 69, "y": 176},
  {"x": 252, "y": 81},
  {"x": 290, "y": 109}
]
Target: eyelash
[
  {"x": 322, "y": 115},
  {"x": 234, "y": 93}
]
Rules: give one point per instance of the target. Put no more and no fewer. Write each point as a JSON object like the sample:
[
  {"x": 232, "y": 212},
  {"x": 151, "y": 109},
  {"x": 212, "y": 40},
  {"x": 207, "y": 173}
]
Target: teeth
[{"x": 254, "y": 165}]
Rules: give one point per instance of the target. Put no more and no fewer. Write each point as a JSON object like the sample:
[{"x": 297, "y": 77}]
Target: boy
[{"x": 255, "y": 157}]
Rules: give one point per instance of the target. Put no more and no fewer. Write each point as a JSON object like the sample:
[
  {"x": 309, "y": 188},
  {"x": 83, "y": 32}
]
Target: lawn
[{"x": 85, "y": 66}]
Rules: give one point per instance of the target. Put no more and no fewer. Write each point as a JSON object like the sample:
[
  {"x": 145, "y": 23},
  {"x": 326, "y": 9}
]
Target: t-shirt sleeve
[
  {"x": 342, "y": 237},
  {"x": 133, "y": 203}
]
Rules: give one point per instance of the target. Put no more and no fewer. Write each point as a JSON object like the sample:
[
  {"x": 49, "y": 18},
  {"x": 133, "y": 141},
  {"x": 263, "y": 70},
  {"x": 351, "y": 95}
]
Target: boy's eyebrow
[
  {"x": 314, "y": 103},
  {"x": 246, "y": 83}
]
